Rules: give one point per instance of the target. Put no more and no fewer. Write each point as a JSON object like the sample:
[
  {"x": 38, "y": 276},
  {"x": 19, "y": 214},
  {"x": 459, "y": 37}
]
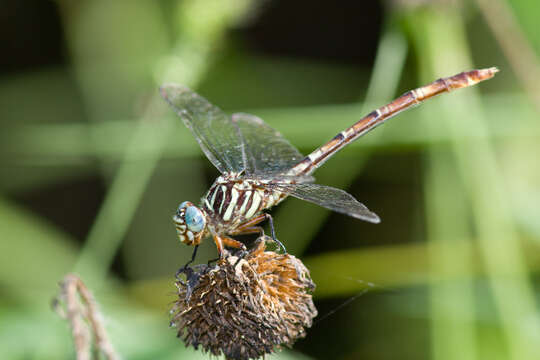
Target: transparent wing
[
  {"x": 330, "y": 198},
  {"x": 218, "y": 137},
  {"x": 284, "y": 180},
  {"x": 267, "y": 151}
]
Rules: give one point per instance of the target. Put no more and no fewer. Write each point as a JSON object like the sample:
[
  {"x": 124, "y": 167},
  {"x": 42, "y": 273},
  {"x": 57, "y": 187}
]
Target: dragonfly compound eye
[
  {"x": 189, "y": 221},
  {"x": 183, "y": 205},
  {"x": 195, "y": 220}
]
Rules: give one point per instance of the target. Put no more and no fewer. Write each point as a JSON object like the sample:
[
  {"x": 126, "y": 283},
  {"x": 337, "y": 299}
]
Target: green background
[{"x": 93, "y": 164}]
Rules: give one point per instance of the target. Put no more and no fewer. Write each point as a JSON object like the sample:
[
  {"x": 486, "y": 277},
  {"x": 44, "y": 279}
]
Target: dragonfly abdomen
[{"x": 377, "y": 117}]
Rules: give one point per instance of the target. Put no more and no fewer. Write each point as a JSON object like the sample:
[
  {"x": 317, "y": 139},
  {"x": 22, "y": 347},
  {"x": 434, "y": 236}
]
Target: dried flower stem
[{"x": 84, "y": 318}]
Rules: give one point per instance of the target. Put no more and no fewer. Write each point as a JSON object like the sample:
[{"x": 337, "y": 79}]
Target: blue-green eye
[
  {"x": 183, "y": 205},
  {"x": 194, "y": 219}
]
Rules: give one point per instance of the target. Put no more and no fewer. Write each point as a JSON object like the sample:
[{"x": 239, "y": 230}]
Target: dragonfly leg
[
  {"x": 219, "y": 245},
  {"x": 230, "y": 242},
  {"x": 227, "y": 241},
  {"x": 249, "y": 228},
  {"x": 192, "y": 280},
  {"x": 273, "y": 232},
  {"x": 241, "y": 229},
  {"x": 183, "y": 268},
  {"x": 193, "y": 255},
  {"x": 241, "y": 253}
]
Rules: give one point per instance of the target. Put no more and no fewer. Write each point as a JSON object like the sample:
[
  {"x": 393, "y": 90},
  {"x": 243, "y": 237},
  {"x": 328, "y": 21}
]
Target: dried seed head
[{"x": 245, "y": 308}]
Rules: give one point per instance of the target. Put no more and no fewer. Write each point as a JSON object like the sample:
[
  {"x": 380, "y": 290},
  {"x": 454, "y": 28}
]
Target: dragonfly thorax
[
  {"x": 232, "y": 200},
  {"x": 190, "y": 222}
]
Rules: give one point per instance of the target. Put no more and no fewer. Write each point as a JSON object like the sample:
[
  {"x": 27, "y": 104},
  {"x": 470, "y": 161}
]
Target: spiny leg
[
  {"x": 273, "y": 232},
  {"x": 193, "y": 255},
  {"x": 219, "y": 245},
  {"x": 230, "y": 242},
  {"x": 236, "y": 244},
  {"x": 227, "y": 241},
  {"x": 183, "y": 268},
  {"x": 249, "y": 224},
  {"x": 249, "y": 227}
]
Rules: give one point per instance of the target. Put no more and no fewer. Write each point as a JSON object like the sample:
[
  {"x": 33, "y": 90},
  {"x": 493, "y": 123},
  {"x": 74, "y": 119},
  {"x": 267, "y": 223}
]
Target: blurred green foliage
[{"x": 94, "y": 163}]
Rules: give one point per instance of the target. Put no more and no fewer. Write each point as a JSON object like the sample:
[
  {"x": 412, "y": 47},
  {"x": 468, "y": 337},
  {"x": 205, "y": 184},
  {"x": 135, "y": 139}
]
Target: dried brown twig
[{"x": 84, "y": 318}]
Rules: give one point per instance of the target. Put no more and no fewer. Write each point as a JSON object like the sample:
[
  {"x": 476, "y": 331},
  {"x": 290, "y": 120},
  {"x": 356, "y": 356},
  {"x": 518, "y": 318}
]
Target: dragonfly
[{"x": 260, "y": 168}]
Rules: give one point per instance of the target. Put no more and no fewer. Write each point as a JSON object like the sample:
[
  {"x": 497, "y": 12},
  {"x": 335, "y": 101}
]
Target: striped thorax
[{"x": 231, "y": 201}]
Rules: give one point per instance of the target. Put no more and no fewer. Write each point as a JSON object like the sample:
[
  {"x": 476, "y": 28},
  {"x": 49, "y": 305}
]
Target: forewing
[
  {"x": 267, "y": 151},
  {"x": 218, "y": 137},
  {"x": 330, "y": 198}
]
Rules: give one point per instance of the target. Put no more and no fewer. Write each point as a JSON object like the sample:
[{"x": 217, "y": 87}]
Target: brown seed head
[{"x": 245, "y": 308}]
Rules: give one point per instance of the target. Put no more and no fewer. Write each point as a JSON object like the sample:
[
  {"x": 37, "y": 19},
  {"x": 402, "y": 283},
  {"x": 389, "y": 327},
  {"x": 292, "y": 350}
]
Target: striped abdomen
[
  {"x": 231, "y": 203},
  {"x": 311, "y": 162}
]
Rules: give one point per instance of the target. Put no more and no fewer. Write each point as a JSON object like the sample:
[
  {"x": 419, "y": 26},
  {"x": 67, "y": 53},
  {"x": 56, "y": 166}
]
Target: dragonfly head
[{"x": 190, "y": 222}]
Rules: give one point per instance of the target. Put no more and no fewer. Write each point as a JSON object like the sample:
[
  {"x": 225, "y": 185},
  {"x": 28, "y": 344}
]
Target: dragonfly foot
[
  {"x": 240, "y": 254},
  {"x": 186, "y": 269},
  {"x": 273, "y": 233},
  {"x": 186, "y": 266},
  {"x": 213, "y": 261},
  {"x": 280, "y": 244},
  {"x": 192, "y": 279}
]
